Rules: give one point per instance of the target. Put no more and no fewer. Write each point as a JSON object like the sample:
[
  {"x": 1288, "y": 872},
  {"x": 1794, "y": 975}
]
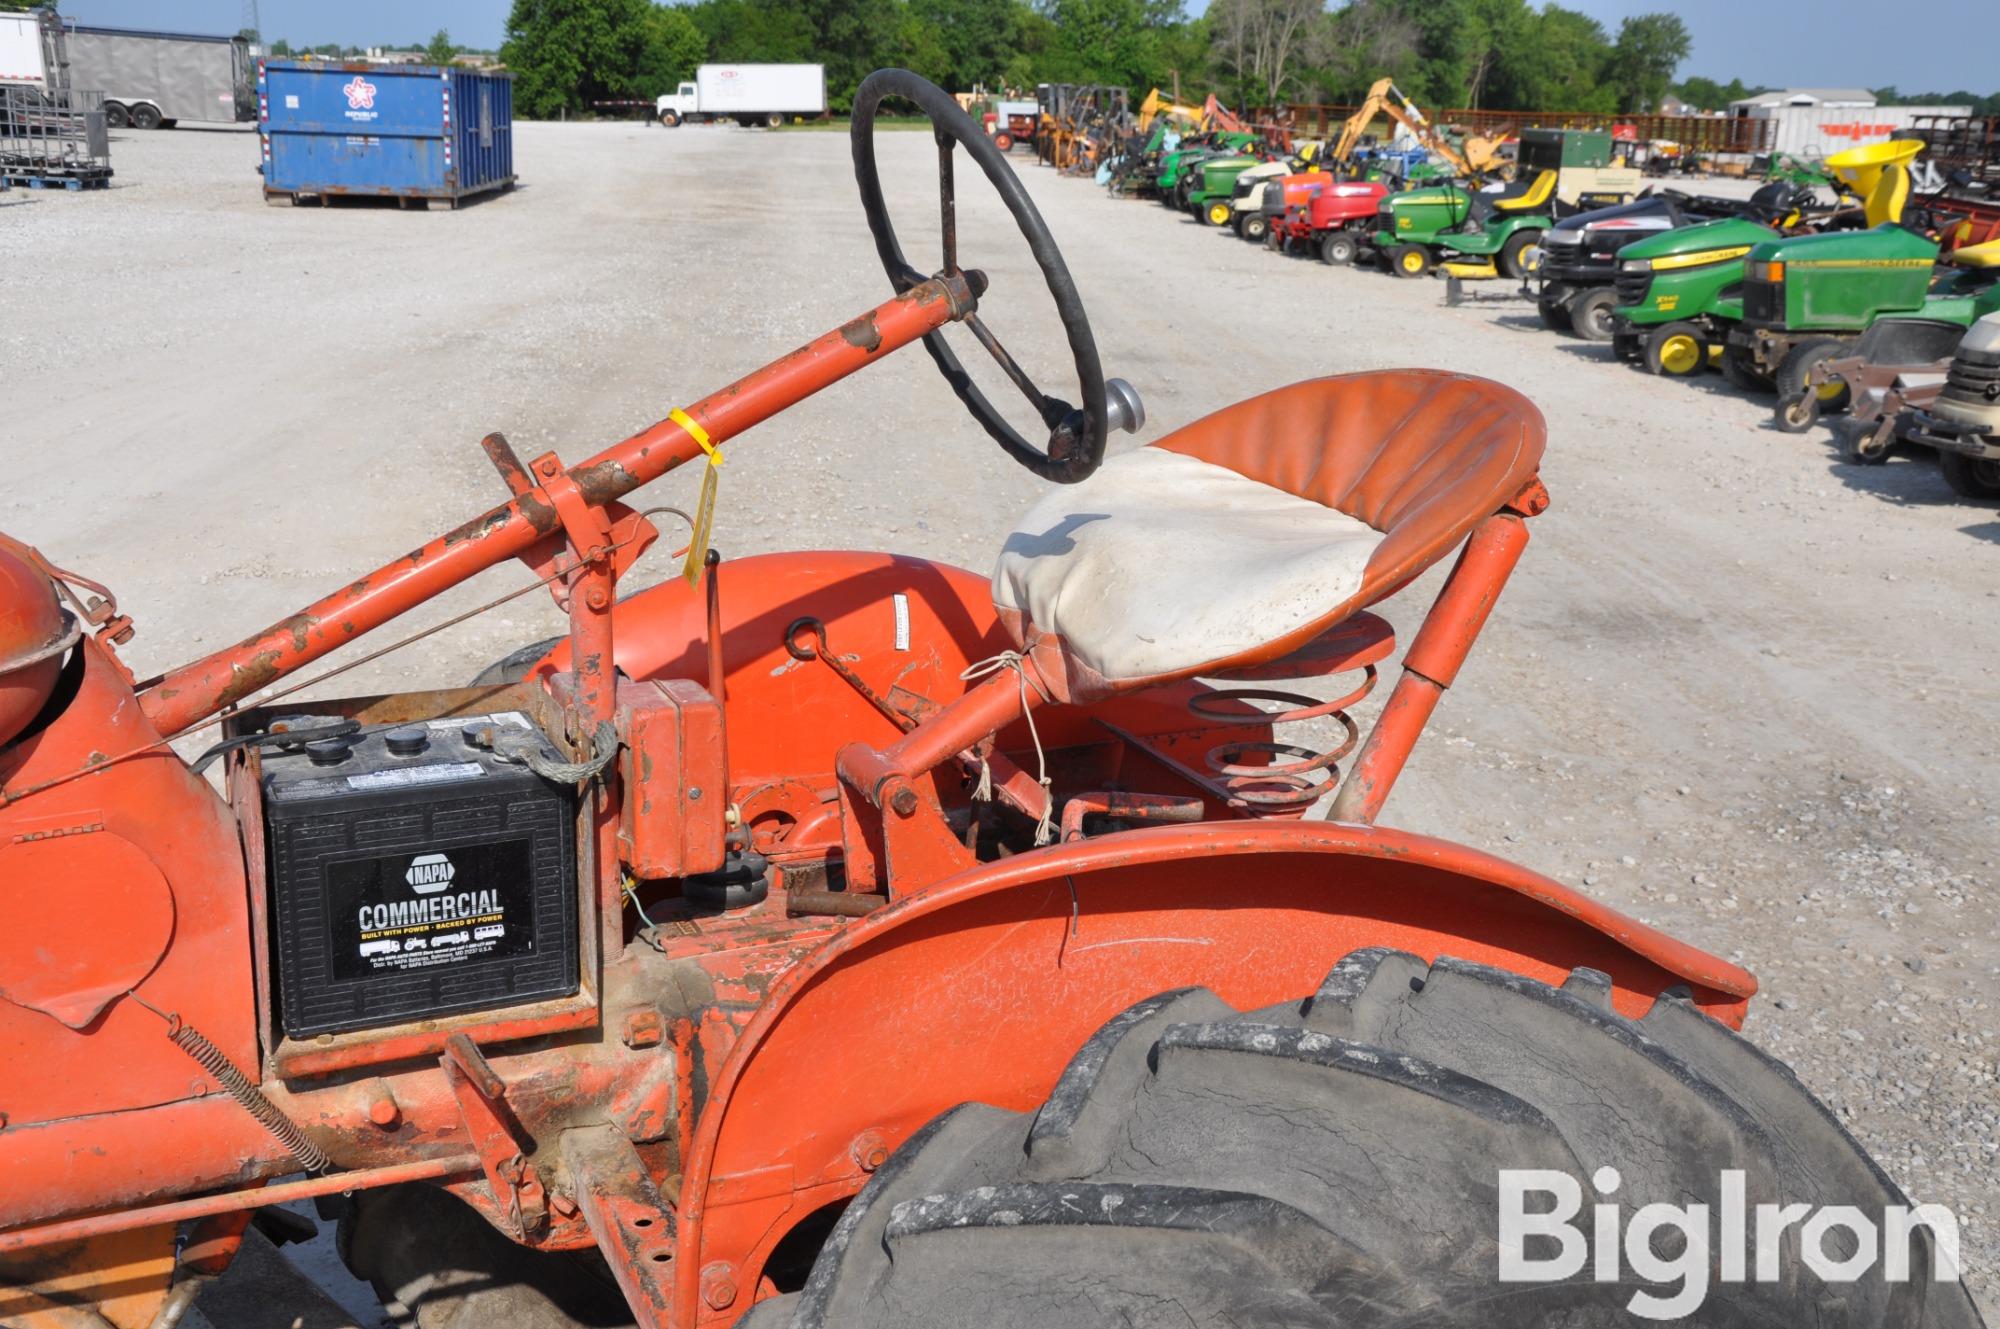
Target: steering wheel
[{"x": 1076, "y": 433}]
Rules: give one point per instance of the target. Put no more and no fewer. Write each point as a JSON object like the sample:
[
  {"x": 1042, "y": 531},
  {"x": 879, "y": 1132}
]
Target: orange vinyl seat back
[{"x": 1236, "y": 540}]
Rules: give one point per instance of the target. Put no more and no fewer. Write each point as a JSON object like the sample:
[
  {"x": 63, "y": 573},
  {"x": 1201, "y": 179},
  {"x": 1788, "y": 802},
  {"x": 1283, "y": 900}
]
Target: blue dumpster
[{"x": 331, "y": 128}]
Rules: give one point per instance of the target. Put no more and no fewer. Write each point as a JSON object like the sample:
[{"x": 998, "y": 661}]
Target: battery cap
[
  {"x": 330, "y": 751},
  {"x": 407, "y": 741}
]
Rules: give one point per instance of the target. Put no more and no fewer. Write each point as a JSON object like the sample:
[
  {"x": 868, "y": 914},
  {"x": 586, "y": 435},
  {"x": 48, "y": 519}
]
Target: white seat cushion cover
[{"x": 1161, "y": 561}]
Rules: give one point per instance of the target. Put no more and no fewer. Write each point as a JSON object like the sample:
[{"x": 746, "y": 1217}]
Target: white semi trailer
[
  {"x": 152, "y": 80},
  {"x": 765, "y": 95}
]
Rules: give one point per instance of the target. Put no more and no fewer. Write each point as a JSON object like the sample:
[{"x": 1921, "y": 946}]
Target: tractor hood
[
  {"x": 1887, "y": 246},
  {"x": 1684, "y": 244},
  {"x": 1216, "y": 169}
]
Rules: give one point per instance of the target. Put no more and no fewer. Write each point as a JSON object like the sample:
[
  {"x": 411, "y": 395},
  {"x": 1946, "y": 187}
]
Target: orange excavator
[{"x": 1477, "y": 158}]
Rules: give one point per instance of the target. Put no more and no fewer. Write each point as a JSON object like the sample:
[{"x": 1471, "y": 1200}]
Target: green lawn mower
[
  {"x": 1211, "y": 186},
  {"x": 1805, "y": 299},
  {"x": 1177, "y": 168},
  {"x": 1679, "y": 292},
  {"x": 1485, "y": 233},
  {"x": 1681, "y": 295}
]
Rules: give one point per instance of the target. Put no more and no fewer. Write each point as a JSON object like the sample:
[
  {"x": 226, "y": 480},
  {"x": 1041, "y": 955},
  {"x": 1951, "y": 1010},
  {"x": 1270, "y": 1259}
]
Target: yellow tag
[
  {"x": 697, "y": 433},
  {"x": 704, "y": 520},
  {"x": 704, "y": 510}
]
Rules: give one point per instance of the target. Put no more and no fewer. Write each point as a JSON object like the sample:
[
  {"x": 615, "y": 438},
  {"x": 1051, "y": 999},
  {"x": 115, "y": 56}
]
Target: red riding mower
[
  {"x": 845, "y": 939},
  {"x": 1336, "y": 221}
]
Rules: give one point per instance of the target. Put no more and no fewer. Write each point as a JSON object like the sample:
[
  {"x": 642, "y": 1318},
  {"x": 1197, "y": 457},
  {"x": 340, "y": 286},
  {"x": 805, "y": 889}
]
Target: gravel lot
[{"x": 1738, "y": 688}]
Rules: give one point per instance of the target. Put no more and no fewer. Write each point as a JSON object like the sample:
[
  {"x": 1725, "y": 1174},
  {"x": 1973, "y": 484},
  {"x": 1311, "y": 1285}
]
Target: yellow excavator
[
  {"x": 1477, "y": 159},
  {"x": 1155, "y": 106}
]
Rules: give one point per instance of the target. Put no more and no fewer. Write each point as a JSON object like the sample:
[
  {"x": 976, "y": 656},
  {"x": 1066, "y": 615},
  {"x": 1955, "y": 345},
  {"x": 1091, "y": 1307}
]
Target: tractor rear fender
[{"x": 981, "y": 988}]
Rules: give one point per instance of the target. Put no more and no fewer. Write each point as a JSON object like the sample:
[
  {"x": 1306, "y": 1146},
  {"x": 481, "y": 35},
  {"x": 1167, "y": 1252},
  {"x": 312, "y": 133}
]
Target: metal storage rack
[
  {"x": 54, "y": 139},
  {"x": 54, "y": 135}
]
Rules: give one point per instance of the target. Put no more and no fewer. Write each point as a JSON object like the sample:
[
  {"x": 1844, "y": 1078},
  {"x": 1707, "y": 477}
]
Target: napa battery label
[
  {"x": 407, "y": 912},
  {"x": 401, "y": 777}
]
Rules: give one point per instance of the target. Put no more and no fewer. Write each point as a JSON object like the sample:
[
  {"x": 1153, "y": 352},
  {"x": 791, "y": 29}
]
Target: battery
[{"x": 417, "y": 872}]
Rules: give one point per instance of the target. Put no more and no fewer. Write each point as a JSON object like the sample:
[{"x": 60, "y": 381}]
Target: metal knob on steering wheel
[{"x": 1076, "y": 433}]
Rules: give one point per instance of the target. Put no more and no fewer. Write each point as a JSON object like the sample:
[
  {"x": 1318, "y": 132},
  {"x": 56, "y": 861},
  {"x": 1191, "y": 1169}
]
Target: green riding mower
[
  {"x": 1805, "y": 299},
  {"x": 1489, "y": 233},
  {"x": 1177, "y": 168},
  {"x": 1211, "y": 186},
  {"x": 1680, "y": 295}
]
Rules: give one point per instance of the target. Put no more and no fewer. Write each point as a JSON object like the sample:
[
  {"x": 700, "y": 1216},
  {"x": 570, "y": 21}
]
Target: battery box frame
[{"x": 326, "y": 1054}]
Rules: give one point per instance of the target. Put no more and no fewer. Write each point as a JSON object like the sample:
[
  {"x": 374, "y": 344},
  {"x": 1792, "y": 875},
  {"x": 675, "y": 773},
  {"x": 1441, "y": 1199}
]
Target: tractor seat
[
  {"x": 1517, "y": 196},
  {"x": 1240, "y": 538},
  {"x": 1533, "y": 197}
]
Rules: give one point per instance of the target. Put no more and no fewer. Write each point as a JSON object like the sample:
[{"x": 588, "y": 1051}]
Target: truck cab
[{"x": 678, "y": 105}]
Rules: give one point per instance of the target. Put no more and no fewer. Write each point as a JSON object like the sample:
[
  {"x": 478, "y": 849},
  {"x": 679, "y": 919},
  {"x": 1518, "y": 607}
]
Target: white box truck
[
  {"x": 25, "y": 50},
  {"x": 748, "y": 94}
]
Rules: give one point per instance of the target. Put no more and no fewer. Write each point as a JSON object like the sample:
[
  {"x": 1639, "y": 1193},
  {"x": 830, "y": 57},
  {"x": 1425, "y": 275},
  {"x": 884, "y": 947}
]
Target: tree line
[{"x": 1502, "y": 54}]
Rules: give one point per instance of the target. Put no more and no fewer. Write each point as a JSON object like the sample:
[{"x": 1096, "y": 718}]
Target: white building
[{"x": 1817, "y": 122}]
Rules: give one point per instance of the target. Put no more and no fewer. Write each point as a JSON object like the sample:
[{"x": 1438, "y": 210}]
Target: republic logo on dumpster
[{"x": 360, "y": 98}]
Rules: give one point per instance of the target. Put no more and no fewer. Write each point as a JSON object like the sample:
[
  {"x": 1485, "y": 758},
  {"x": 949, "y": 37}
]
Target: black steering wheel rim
[{"x": 1078, "y": 433}]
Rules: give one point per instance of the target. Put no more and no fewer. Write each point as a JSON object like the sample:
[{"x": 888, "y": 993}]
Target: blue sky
[{"x": 1824, "y": 43}]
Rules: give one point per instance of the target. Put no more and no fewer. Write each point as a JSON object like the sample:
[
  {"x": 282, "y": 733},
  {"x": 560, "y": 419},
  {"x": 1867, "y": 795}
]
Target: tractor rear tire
[
  {"x": 1339, "y": 248},
  {"x": 436, "y": 1264},
  {"x": 1798, "y": 365},
  {"x": 1409, "y": 260},
  {"x": 1555, "y": 315},
  {"x": 1976, "y": 478},
  {"x": 1590, "y": 313},
  {"x": 1334, "y": 1161}
]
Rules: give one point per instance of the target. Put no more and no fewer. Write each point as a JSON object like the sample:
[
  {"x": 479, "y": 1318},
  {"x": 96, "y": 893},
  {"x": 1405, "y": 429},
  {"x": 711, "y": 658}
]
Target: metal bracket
[
  {"x": 502, "y": 1144},
  {"x": 628, "y": 1216},
  {"x": 586, "y": 538}
]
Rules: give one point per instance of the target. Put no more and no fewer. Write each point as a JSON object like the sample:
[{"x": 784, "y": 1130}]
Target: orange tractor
[{"x": 848, "y": 939}]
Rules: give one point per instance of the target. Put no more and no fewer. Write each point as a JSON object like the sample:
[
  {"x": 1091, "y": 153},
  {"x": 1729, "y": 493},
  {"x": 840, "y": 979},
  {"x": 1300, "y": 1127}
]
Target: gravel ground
[{"x": 1739, "y": 688}]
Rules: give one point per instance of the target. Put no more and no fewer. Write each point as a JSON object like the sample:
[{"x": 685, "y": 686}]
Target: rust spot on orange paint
[{"x": 862, "y": 333}]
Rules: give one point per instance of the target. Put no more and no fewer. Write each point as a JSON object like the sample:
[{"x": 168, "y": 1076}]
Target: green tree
[
  {"x": 1708, "y": 95},
  {"x": 1565, "y": 71},
  {"x": 1643, "y": 60},
  {"x": 281, "y": 48},
  {"x": 568, "y": 53},
  {"x": 1371, "y": 39},
  {"x": 671, "y": 45},
  {"x": 747, "y": 30},
  {"x": 978, "y": 38},
  {"x": 439, "y": 50},
  {"x": 16, "y": 6}
]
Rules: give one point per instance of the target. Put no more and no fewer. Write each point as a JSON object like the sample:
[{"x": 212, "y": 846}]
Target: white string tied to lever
[{"x": 1045, "y": 830}]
